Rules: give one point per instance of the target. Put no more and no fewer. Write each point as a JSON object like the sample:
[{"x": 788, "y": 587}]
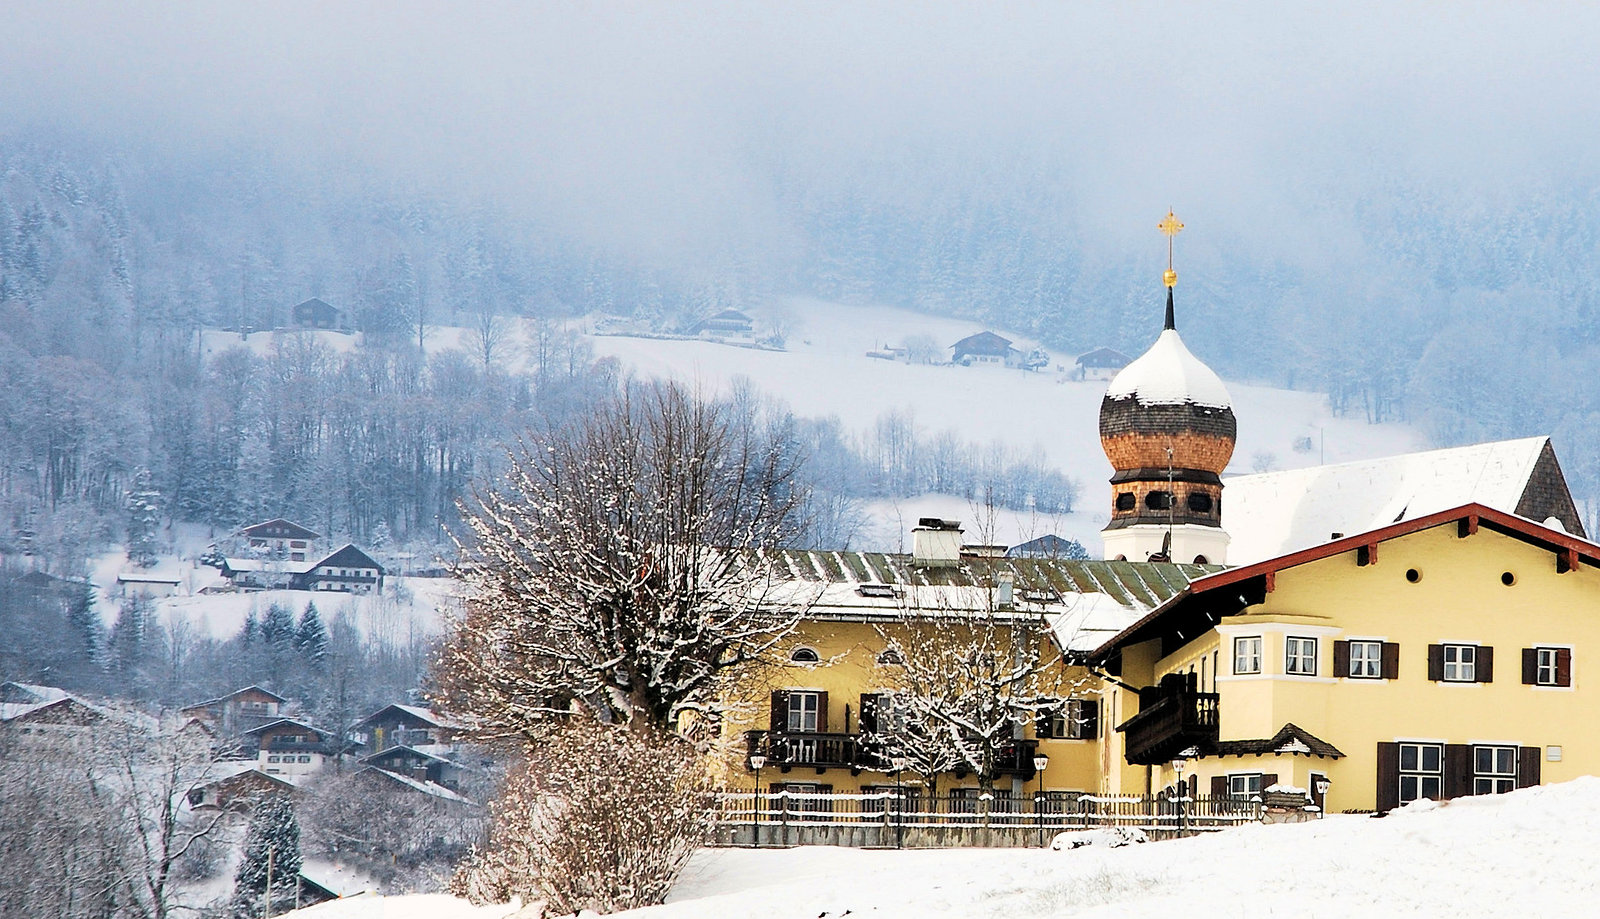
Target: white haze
[{"x": 662, "y": 128}]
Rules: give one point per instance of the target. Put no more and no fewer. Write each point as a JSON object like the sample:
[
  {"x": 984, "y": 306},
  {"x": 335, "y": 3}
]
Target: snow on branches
[{"x": 624, "y": 566}]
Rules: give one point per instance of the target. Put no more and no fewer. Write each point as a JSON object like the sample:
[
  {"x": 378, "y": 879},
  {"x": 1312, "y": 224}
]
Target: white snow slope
[{"x": 1530, "y": 852}]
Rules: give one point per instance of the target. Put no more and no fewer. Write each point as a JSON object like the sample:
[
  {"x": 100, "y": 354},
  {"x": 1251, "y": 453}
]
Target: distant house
[
  {"x": 237, "y": 786},
  {"x": 1099, "y": 364},
  {"x": 421, "y": 765},
  {"x": 148, "y": 584},
  {"x": 985, "y": 348},
  {"x": 391, "y": 780},
  {"x": 407, "y": 725},
  {"x": 38, "y": 582},
  {"x": 282, "y": 538},
  {"x": 1049, "y": 546},
  {"x": 66, "y": 721},
  {"x": 315, "y": 314},
  {"x": 727, "y": 324},
  {"x": 292, "y": 748},
  {"x": 238, "y": 711},
  {"x": 348, "y": 570},
  {"x": 265, "y": 574}
]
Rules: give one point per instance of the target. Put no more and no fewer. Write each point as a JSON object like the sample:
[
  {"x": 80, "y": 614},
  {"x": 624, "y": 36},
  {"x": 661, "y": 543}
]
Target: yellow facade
[{"x": 1434, "y": 587}]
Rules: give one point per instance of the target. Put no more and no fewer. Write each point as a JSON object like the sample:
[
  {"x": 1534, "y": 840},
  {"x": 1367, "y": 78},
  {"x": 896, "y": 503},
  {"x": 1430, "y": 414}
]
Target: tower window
[
  {"x": 1199, "y": 502},
  {"x": 1158, "y": 500},
  {"x": 1126, "y": 501}
]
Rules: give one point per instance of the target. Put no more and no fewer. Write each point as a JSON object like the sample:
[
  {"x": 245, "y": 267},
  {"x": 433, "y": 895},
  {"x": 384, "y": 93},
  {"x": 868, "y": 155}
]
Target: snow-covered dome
[{"x": 1168, "y": 374}]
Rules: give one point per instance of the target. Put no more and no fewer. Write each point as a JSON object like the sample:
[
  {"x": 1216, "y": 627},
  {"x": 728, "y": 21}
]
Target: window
[
  {"x": 1199, "y": 502},
  {"x": 1244, "y": 785},
  {"x": 1158, "y": 500},
  {"x": 891, "y": 656},
  {"x": 1460, "y": 663},
  {"x": 803, "y": 712},
  {"x": 805, "y": 656},
  {"x": 305, "y": 759},
  {"x": 1494, "y": 770},
  {"x": 1126, "y": 501},
  {"x": 1421, "y": 771},
  {"x": 1077, "y": 719},
  {"x": 1300, "y": 656},
  {"x": 1547, "y": 666},
  {"x": 1247, "y": 654},
  {"x": 1366, "y": 660}
]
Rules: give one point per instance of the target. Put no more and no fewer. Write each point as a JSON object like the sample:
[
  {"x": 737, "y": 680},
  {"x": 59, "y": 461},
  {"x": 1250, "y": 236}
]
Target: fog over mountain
[{"x": 1395, "y": 205}]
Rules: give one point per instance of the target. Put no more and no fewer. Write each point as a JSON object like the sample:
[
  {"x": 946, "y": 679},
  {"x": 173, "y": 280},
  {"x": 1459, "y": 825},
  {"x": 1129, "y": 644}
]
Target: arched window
[
  {"x": 891, "y": 656},
  {"x": 1201, "y": 560},
  {"x": 805, "y": 656}
]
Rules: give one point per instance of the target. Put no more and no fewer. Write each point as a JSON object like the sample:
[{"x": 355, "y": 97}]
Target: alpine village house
[{"x": 1404, "y": 628}]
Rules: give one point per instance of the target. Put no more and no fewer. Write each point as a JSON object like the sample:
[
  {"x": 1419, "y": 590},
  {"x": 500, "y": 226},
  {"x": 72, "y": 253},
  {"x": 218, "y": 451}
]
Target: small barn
[
  {"x": 985, "y": 348},
  {"x": 315, "y": 314}
]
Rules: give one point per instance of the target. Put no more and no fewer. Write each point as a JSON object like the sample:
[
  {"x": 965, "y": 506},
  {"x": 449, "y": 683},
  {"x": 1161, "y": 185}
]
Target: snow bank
[
  {"x": 428, "y": 906},
  {"x": 1528, "y": 852}
]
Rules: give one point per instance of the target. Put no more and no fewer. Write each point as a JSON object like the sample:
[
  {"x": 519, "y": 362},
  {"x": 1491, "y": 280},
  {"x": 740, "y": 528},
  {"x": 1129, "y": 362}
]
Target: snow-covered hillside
[{"x": 1525, "y": 853}]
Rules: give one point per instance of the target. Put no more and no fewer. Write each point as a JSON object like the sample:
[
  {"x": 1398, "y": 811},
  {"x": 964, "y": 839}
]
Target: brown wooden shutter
[
  {"x": 1341, "y": 659},
  {"x": 1457, "y": 770},
  {"x": 869, "y": 713},
  {"x": 1485, "y": 667},
  {"x": 1388, "y": 776},
  {"x": 780, "y": 711},
  {"x": 1268, "y": 779},
  {"x": 822, "y": 713},
  {"x": 1089, "y": 714},
  {"x": 1563, "y": 666},
  {"x": 1435, "y": 665},
  {"x": 1528, "y": 766},
  {"x": 1194, "y": 786},
  {"x": 1219, "y": 786},
  {"x": 1391, "y": 661},
  {"x": 1530, "y": 666}
]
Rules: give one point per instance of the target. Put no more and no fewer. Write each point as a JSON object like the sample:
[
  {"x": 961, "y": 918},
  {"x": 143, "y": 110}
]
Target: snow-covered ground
[{"x": 1530, "y": 852}]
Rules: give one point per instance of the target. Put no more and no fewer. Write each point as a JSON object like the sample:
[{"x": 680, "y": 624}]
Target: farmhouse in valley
[
  {"x": 985, "y": 348},
  {"x": 281, "y": 555}
]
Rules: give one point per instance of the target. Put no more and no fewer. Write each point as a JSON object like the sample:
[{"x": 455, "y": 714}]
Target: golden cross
[{"x": 1169, "y": 228}]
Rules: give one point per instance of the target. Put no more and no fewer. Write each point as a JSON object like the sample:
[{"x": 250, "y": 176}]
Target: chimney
[{"x": 936, "y": 543}]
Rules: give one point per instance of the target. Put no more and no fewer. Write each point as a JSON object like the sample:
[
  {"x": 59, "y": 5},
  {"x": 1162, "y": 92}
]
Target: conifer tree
[
  {"x": 144, "y": 520},
  {"x": 311, "y": 638},
  {"x": 273, "y": 832},
  {"x": 277, "y": 627}
]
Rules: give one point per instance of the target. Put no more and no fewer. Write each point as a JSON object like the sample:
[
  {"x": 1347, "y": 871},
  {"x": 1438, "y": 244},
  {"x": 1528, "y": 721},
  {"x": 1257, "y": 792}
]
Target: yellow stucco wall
[{"x": 1459, "y": 598}]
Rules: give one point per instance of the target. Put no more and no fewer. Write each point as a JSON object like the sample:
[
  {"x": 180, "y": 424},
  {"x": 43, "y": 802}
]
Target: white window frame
[
  {"x": 1494, "y": 769},
  {"x": 1368, "y": 664},
  {"x": 1300, "y": 655},
  {"x": 1547, "y": 672},
  {"x": 1421, "y": 780},
  {"x": 1464, "y": 666},
  {"x": 1239, "y": 784},
  {"x": 795, "y": 718},
  {"x": 1246, "y": 651}
]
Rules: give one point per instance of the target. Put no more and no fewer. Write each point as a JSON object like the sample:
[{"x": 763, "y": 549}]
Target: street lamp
[
  {"x": 756, "y": 762},
  {"x": 1039, "y": 762},
  {"x": 1178, "y": 764},
  {"x": 899, "y": 763},
  {"x": 1322, "y": 795}
]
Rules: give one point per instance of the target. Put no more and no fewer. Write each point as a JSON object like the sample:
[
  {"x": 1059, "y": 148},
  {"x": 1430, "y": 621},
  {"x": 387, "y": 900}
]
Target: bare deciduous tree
[{"x": 623, "y": 567}]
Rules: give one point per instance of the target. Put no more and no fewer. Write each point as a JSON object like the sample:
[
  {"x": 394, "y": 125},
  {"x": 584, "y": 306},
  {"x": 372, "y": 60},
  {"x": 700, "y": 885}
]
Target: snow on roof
[
  {"x": 1168, "y": 374},
  {"x": 1275, "y": 513},
  {"x": 33, "y": 692},
  {"x": 427, "y": 788},
  {"x": 268, "y": 564}
]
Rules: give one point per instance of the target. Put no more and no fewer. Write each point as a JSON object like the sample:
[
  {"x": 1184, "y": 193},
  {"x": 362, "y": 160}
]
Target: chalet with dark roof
[
  {"x": 292, "y": 748},
  {"x": 316, "y": 314},
  {"x": 728, "y": 324},
  {"x": 239, "y": 711},
  {"x": 349, "y": 570},
  {"x": 985, "y": 348},
  {"x": 281, "y": 538},
  {"x": 1099, "y": 364},
  {"x": 407, "y": 725}
]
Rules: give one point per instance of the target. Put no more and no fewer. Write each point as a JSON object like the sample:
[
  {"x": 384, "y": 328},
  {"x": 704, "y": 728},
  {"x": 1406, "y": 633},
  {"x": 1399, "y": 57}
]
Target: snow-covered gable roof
[
  {"x": 267, "y": 564},
  {"x": 1275, "y": 513},
  {"x": 1168, "y": 374},
  {"x": 427, "y": 788},
  {"x": 30, "y": 693}
]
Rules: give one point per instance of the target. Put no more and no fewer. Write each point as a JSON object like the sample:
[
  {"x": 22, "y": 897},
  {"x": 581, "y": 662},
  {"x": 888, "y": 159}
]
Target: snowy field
[{"x": 1526, "y": 853}]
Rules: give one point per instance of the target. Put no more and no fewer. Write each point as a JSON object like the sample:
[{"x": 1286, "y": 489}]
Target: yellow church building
[{"x": 1403, "y": 628}]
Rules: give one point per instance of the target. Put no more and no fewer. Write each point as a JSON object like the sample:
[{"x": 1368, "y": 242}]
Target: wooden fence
[{"x": 907, "y": 819}]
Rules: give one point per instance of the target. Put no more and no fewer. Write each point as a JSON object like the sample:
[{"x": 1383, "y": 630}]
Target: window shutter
[
  {"x": 1041, "y": 725},
  {"x": 1089, "y": 714},
  {"x": 869, "y": 713},
  {"x": 1194, "y": 787},
  {"x": 1219, "y": 786},
  {"x": 1435, "y": 669},
  {"x": 1563, "y": 666},
  {"x": 822, "y": 713},
  {"x": 1341, "y": 658},
  {"x": 1391, "y": 661},
  {"x": 780, "y": 711},
  {"x": 1528, "y": 766},
  {"x": 1457, "y": 770},
  {"x": 1530, "y": 666},
  {"x": 1388, "y": 776},
  {"x": 1268, "y": 779},
  {"x": 1485, "y": 667}
]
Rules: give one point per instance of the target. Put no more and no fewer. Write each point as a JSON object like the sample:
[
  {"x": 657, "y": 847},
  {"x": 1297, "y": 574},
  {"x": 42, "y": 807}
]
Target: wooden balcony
[
  {"x": 1172, "y": 717},
  {"x": 789, "y": 749}
]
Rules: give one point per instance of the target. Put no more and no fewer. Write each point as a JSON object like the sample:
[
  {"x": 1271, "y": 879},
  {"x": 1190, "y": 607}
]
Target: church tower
[{"x": 1167, "y": 425}]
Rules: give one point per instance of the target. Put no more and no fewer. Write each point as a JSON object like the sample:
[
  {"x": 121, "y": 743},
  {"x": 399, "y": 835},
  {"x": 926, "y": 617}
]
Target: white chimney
[{"x": 936, "y": 543}]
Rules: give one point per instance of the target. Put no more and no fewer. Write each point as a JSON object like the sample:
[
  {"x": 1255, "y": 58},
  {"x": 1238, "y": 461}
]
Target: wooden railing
[
  {"x": 907, "y": 818},
  {"x": 1172, "y": 717},
  {"x": 785, "y": 750}
]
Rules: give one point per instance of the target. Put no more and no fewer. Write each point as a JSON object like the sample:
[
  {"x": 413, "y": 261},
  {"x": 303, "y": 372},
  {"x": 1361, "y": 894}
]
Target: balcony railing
[
  {"x": 787, "y": 749},
  {"x": 1172, "y": 717}
]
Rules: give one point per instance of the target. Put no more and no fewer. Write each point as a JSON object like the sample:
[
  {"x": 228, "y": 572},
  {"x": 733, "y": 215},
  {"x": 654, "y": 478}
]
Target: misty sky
[{"x": 665, "y": 127}]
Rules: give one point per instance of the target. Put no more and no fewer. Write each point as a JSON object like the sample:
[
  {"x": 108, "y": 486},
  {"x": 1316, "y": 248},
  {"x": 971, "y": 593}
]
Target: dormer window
[{"x": 805, "y": 656}]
